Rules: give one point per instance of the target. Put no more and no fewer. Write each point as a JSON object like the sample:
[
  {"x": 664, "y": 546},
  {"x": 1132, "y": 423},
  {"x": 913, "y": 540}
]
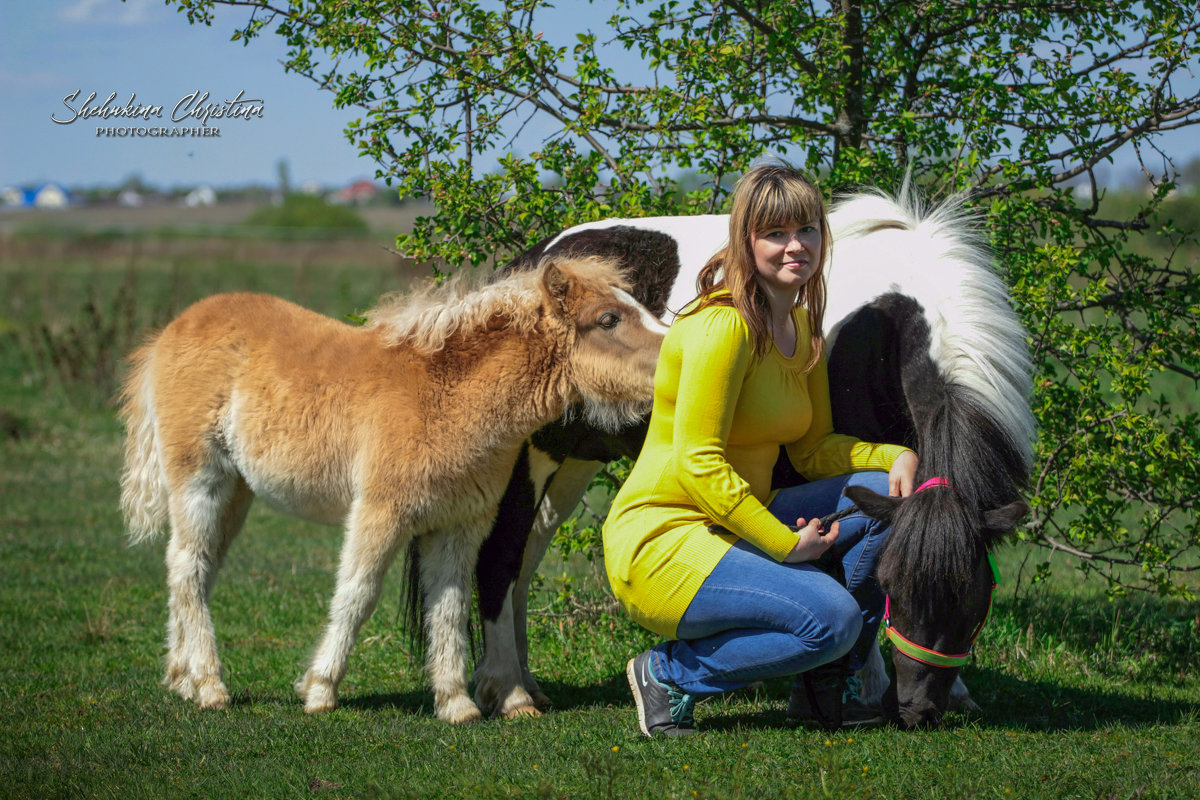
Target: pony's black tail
[{"x": 412, "y": 611}]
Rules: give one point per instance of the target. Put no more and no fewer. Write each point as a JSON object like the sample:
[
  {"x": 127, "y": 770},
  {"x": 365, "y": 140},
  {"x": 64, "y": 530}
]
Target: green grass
[{"x": 1082, "y": 697}]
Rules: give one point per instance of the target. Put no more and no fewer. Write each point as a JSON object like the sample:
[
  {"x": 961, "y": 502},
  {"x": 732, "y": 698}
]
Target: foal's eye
[{"x": 609, "y": 320}]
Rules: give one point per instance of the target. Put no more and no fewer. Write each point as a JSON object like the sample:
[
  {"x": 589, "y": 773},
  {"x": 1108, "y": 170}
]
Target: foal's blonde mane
[{"x": 427, "y": 317}]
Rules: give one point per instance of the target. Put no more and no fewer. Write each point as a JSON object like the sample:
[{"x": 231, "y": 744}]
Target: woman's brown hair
[{"x": 768, "y": 196}]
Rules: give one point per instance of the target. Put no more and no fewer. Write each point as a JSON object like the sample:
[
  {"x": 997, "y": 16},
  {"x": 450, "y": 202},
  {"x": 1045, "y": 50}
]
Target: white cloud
[{"x": 107, "y": 12}]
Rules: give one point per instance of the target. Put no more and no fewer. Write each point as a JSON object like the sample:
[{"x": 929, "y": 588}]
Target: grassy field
[{"x": 1082, "y": 697}]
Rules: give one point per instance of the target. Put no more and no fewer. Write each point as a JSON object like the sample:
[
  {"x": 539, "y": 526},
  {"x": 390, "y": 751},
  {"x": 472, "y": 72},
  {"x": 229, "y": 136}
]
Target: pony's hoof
[
  {"x": 518, "y": 704},
  {"x": 459, "y": 711},
  {"x": 540, "y": 701},
  {"x": 960, "y": 697},
  {"x": 521, "y": 711}
]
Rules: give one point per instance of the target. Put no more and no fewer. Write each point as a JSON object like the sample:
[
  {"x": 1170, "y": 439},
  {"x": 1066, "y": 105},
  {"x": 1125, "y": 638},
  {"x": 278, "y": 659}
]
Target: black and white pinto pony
[{"x": 924, "y": 350}]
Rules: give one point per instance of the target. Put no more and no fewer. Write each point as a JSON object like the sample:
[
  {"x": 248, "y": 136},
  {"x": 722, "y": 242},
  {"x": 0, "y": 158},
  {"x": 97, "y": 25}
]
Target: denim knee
[{"x": 843, "y": 624}]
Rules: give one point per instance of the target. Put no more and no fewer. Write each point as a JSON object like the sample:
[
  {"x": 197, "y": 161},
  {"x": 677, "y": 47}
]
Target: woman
[{"x": 696, "y": 547}]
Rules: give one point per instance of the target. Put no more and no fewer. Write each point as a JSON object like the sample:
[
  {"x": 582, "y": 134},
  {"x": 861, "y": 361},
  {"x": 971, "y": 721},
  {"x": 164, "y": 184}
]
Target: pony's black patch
[
  {"x": 500, "y": 556},
  {"x": 649, "y": 259},
  {"x": 865, "y": 388}
]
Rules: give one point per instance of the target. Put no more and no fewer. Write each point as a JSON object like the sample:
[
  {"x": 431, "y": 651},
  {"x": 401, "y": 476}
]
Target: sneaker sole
[
  {"x": 675, "y": 733},
  {"x": 631, "y": 676}
]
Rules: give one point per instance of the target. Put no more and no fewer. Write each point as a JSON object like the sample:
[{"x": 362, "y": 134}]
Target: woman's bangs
[{"x": 787, "y": 204}]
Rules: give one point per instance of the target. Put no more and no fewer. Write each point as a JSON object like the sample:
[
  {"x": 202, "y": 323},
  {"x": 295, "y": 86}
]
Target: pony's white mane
[
  {"x": 425, "y": 318},
  {"x": 976, "y": 339}
]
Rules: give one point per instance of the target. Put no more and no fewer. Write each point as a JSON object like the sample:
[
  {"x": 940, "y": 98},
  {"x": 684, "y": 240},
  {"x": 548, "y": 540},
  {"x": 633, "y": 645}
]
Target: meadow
[{"x": 1083, "y": 696}]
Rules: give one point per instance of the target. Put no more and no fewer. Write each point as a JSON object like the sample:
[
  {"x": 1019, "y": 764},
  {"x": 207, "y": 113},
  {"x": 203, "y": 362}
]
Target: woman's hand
[
  {"x": 903, "y": 474},
  {"x": 811, "y": 543}
]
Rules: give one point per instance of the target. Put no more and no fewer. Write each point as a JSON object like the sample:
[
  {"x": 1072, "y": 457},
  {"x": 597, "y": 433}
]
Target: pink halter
[{"x": 932, "y": 482}]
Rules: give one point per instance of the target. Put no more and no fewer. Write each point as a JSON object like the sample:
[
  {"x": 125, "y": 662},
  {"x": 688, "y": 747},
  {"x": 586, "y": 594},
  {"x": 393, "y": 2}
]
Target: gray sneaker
[
  {"x": 827, "y": 697},
  {"x": 662, "y": 710}
]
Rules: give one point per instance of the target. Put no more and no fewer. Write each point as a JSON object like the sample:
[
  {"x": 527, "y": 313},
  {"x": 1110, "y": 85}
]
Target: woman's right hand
[{"x": 811, "y": 543}]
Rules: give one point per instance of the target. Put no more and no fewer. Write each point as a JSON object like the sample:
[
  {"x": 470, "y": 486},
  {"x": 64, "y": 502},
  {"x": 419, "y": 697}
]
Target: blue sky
[{"x": 50, "y": 49}]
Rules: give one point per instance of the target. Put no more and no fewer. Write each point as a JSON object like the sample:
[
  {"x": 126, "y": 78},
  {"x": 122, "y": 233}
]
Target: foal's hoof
[
  {"x": 180, "y": 682},
  {"x": 318, "y": 695},
  {"x": 212, "y": 695}
]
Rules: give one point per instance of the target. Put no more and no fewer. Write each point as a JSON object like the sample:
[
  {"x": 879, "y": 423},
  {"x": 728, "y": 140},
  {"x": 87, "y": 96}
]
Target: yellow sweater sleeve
[
  {"x": 821, "y": 453},
  {"x": 712, "y": 370}
]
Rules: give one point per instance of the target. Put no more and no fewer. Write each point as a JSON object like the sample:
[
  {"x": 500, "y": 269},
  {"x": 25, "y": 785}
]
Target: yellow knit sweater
[{"x": 719, "y": 418}]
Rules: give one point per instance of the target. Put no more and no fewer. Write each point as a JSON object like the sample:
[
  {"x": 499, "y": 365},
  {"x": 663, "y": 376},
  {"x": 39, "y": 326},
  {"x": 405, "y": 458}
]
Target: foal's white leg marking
[
  {"x": 447, "y": 564},
  {"x": 369, "y": 547},
  {"x": 205, "y": 517}
]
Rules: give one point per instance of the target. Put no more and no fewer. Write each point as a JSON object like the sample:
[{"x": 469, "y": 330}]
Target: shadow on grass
[
  {"x": 1008, "y": 703},
  {"x": 418, "y": 703}
]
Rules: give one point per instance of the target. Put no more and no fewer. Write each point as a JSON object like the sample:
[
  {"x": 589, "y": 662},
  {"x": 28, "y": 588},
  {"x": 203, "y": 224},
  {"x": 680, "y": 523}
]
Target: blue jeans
[{"x": 755, "y": 618}]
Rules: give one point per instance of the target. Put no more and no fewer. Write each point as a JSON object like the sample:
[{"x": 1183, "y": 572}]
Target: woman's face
[{"x": 785, "y": 257}]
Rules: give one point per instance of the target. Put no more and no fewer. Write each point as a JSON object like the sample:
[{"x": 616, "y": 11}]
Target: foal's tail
[{"x": 143, "y": 485}]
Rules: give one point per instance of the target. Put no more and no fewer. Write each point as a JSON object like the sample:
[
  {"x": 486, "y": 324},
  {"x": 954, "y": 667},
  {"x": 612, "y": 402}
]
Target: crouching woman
[{"x": 697, "y": 548}]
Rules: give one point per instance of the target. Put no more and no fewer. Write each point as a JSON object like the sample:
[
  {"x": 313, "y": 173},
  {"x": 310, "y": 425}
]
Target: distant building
[
  {"x": 200, "y": 196},
  {"x": 45, "y": 195},
  {"x": 357, "y": 193},
  {"x": 130, "y": 198}
]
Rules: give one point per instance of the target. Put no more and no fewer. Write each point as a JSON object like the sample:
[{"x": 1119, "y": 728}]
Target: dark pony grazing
[
  {"x": 924, "y": 350},
  {"x": 936, "y": 556}
]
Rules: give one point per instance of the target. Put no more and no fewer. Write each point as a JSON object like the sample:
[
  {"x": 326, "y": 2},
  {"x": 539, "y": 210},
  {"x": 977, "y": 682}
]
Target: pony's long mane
[
  {"x": 426, "y": 318},
  {"x": 976, "y": 340}
]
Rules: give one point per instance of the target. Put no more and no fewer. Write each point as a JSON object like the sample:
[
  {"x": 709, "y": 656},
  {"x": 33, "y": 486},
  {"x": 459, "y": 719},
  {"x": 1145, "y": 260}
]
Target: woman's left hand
[{"x": 903, "y": 474}]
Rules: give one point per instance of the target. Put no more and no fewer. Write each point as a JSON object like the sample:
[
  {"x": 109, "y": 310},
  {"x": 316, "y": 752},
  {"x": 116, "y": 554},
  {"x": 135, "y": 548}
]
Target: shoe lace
[{"x": 682, "y": 705}]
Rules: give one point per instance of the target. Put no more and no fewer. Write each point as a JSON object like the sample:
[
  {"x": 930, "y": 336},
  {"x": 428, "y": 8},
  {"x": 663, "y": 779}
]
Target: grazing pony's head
[
  {"x": 939, "y": 583},
  {"x": 595, "y": 344}
]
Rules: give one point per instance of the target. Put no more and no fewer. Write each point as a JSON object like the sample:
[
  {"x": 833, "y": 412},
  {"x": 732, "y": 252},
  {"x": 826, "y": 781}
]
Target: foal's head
[
  {"x": 610, "y": 341},
  {"x": 939, "y": 581}
]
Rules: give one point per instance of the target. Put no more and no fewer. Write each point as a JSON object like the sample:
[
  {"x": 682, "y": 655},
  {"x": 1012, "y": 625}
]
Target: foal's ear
[
  {"x": 872, "y": 503},
  {"x": 556, "y": 283},
  {"x": 1004, "y": 519}
]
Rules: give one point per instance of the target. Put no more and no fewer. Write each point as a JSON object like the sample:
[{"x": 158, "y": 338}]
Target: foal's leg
[
  {"x": 206, "y": 516},
  {"x": 447, "y": 562},
  {"x": 372, "y": 538}
]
